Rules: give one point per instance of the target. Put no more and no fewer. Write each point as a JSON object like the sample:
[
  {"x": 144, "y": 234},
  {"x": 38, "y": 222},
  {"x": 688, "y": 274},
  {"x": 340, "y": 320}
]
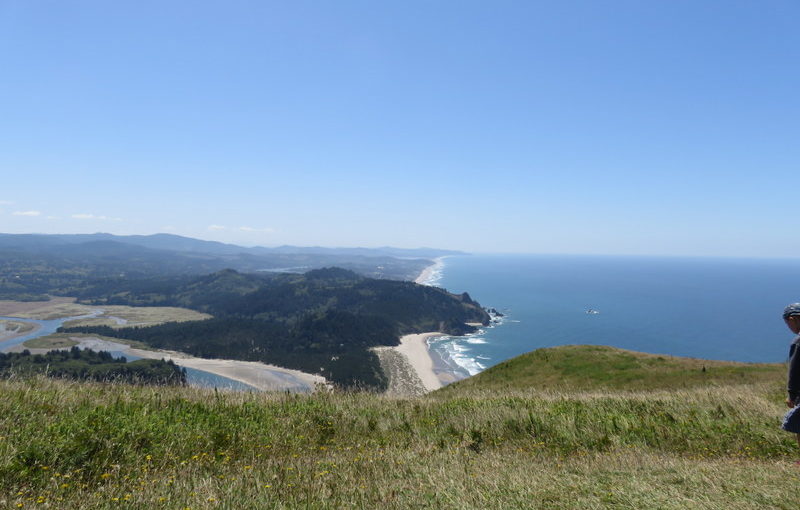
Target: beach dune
[
  {"x": 415, "y": 349},
  {"x": 412, "y": 368}
]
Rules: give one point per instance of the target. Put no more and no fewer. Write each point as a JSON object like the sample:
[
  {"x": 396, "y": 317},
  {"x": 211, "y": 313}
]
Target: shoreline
[
  {"x": 429, "y": 271},
  {"x": 413, "y": 368},
  {"x": 415, "y": 349}
]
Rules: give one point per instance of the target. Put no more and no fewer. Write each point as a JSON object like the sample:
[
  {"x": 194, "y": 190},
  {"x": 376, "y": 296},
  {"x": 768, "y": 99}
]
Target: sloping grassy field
[
  {"x": 68, "y": 445},
  {"x": 587, "y": 367}
]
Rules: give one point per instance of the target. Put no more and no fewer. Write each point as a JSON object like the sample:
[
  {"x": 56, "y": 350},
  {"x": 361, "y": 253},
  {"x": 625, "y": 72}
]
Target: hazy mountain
[
  {"x": 33, "y": 265},
  {"x": 171, "y": 242}
]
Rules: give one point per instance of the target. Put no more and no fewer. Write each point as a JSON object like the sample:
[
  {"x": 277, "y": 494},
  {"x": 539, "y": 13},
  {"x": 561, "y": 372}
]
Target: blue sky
[{"x": 614, "y": 127}]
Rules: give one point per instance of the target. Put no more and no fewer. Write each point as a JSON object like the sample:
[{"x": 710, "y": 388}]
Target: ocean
[{"x": 710, "y": 308}]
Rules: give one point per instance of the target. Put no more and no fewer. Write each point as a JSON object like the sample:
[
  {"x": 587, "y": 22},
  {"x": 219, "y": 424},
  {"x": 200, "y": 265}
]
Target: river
[{"x": 194, "y": 376}]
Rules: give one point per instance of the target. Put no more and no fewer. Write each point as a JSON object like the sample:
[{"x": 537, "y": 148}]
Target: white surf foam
[
  {"x": 436, "y": 273},
  {"x": 475, "y": 340}
]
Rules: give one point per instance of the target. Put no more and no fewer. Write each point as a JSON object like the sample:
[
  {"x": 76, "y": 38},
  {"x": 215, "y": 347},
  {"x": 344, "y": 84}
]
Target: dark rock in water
[{"x": 494, "y": 312}]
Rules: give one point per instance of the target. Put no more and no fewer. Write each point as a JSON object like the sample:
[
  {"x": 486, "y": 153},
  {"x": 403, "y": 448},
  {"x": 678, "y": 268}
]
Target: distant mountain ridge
[
  {"x": 34, "y": 265},
  {"x": 172, "y": 242}
]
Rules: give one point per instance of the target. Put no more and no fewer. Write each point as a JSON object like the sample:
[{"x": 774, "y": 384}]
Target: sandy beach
[
  {"x": 415, "y": 349},
  {"x": 258, "y": 375},
  {"x": 412, "y": 368},
  {"x": 426, "y": 273}
]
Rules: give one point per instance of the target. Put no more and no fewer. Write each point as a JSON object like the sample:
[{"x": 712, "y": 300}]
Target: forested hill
[
  {"x": 323, "y": 321},
  {"x": 87, "y": 365}
]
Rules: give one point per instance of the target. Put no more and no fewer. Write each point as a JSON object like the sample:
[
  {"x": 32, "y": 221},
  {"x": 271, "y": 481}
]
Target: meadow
[{"x": 70, "y": 445}]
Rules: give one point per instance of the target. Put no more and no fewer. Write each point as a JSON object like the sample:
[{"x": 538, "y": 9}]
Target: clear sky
[{"x": 614, "y": 127}]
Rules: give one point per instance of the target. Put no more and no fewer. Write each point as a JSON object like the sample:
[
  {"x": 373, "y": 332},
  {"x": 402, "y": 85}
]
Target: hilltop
[
  {"x": 713, "y": 445},
  {"x": 599, "y": 367}
]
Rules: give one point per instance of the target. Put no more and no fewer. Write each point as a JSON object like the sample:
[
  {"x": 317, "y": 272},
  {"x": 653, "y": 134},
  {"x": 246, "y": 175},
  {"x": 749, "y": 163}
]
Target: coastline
[
  {"x": 415, "y": 349},
  {"x": 413, "y": 369},
  {"x": 429, "y": 272},
  {"x": 431, "y": 369}
]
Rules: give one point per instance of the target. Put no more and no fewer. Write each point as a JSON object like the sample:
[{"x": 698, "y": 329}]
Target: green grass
[
  {"x": 718, "y": 445},
  {"x": 54, "y": 341},
  {"x": 588, "y": 367},
  {"x": 88, "y": 444}
]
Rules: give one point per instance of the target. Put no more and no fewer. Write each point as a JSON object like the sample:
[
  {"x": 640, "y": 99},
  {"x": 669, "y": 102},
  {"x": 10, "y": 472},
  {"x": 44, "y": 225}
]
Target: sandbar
[
  {"x": 6, "y": 334},
  {"x": 258, "y": 375},
  {"x": 35, "y": 309}
]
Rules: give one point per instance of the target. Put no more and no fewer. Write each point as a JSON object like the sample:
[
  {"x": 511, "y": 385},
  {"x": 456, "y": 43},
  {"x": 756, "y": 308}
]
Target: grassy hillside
[
  {"x": 597, "y": 367},
  {"x": 64, "y": 445}
]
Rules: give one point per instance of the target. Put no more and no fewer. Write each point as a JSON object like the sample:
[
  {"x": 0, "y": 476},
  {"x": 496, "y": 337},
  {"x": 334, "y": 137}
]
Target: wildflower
[{"x": 105, "y": 475}]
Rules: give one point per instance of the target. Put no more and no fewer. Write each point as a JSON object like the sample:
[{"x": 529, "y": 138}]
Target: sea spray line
[
  {"x": 435, "y": 273},
  {"x": 453, "y": 349}
]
